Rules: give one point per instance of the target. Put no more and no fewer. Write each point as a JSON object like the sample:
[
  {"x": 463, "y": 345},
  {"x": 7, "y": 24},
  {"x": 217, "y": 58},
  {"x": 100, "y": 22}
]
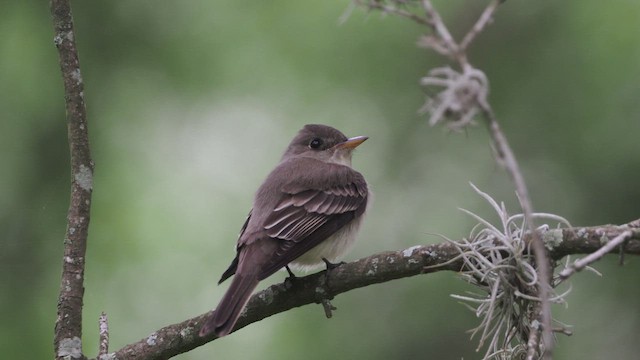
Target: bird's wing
[{"x": 306, "y": 214}]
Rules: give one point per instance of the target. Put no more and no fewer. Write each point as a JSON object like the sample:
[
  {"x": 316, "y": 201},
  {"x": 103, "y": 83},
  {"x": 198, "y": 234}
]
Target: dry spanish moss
[{"x": 498, "y": 261}]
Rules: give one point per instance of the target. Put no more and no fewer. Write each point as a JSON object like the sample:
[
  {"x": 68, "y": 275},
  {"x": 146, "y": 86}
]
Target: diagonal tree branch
[
  {"x": 483, "y": 21},
  {"x": 182, "y": 337},
  {"x": 68, "y": 329}
]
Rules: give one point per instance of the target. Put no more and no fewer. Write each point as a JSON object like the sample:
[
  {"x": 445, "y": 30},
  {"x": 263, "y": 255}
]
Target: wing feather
[{"x": 308, "y": 213}]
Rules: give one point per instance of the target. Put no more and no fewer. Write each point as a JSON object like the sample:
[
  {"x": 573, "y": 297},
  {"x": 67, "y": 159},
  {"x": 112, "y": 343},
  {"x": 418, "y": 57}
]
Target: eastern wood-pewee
[{"x": 306, "y": 213}]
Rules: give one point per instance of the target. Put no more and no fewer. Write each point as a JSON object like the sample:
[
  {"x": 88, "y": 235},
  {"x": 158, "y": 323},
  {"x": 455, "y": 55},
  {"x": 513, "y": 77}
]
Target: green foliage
[{"x": 190, "y": 104}]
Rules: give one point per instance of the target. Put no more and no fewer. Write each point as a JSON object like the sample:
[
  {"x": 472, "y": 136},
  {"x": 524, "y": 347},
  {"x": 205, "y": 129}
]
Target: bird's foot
[
  {"x": 330, "y": 265},
  {"x": 291, "y": 279},
  {"x": 291, "y": 274}
]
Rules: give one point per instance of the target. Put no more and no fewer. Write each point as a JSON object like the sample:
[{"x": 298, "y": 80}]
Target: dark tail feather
[
  {"x": 224, "y": 318},
  {"x": 230, "y": 271}
]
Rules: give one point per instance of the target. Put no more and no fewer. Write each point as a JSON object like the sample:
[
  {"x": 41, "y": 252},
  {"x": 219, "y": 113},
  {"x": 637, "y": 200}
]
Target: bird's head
[{"x": 323, "y": 143}]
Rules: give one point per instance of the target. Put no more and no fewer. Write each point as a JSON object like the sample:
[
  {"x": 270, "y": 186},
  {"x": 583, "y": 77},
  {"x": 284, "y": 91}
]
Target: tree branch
[
  {"x": 182, "y": 337},
  {"x": 68, "y": 329},
  {"x": 508, "y": 159},
  {"x": 579, "y": 265}
]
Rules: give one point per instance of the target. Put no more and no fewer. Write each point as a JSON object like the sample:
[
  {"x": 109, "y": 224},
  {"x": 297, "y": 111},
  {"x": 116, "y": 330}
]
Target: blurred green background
[{"x": 191, "y": 103}]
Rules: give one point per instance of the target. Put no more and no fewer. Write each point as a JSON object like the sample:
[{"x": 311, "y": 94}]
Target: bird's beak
[{"x": 353, "y": 142}]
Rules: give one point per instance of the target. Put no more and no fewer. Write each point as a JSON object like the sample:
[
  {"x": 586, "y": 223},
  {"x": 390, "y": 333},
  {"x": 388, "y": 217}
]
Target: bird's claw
[{"x": 330, "y": 265}]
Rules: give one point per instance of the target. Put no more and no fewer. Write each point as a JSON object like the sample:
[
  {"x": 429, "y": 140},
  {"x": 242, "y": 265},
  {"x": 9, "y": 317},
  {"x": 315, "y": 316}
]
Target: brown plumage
[{"x": 309, "y": 208}]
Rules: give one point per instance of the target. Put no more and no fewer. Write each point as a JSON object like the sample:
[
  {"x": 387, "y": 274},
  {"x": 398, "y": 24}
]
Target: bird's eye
[{"x": 315, "y": 143}]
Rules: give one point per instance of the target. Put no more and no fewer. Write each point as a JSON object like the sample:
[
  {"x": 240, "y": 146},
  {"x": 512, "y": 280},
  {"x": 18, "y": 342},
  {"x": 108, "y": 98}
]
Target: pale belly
[{"x": 332, "y": 249}]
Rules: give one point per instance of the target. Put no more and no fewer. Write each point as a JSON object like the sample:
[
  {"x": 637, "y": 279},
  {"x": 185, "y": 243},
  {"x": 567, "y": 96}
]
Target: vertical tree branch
[
  {"x": 506, "y": 156},
  {"x": 68, "y": 329},
  {"x": 464, "y": 96}
]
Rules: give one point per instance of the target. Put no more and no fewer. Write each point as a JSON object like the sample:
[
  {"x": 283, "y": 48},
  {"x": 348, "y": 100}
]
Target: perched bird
[{"x": 305, "y": 214}]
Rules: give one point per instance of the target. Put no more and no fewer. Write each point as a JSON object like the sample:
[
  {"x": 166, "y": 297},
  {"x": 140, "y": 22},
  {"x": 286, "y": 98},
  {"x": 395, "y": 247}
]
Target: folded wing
[{"x": 305, "y": 217}]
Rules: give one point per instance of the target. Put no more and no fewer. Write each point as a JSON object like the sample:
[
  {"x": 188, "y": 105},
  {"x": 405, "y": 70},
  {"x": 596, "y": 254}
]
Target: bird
[{"x": 306, "y": 213}]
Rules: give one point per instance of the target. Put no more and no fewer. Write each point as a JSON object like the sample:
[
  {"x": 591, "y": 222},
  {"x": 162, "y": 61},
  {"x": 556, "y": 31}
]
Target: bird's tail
[{"x": 224, "y": 318}]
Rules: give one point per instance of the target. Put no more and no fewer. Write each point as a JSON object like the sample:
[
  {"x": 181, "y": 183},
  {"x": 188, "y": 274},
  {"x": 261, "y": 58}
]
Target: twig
[
  {"x": 438, "y": 26},
  {"x": 533, "y": 342},
  {"x": 580, "y": 264},
  {"x": 328, "y": 308},
  {"x": 68, "y": 329},
  {"x": 103, "y": 331},
  {"x": 388, "y": 9},
  {"x": 483, "y": 21}
]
